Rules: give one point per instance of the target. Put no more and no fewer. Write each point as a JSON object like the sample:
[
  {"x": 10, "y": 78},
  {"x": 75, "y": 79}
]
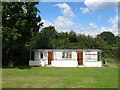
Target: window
[
  {"x": 32, "y": 56},
  {"x": 41, "y": 54},
  {"x": 63, "y": 54},
  {"x": 98, "y": 58},
  {"x": 91, "y": 56},
  {"x": 66, "y": 54},
  {"x": 70, "y": 54}
]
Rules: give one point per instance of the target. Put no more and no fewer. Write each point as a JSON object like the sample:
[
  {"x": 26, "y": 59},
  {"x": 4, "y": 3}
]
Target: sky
[{"x": 89, "y": 17}]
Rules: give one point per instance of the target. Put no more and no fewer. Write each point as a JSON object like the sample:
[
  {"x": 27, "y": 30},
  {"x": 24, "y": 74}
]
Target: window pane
[
  {"x": 66, "y": 54},
  {"x": 32, "y": 55},
  {"x": 63, "y": 54},
  {"x": 98, "y": 56},
  {"x": 70, "y": 55},
  {"x": 41, "y": 55}
]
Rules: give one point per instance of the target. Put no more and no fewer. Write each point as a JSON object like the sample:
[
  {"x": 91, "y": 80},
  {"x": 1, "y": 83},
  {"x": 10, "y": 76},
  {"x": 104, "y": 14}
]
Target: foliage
[
  {"x": 108, "y": 37},
  {"x": 43, "y": 37},
  {"x": 19, "y": 25},
  {"x": 72, "y": 36}
]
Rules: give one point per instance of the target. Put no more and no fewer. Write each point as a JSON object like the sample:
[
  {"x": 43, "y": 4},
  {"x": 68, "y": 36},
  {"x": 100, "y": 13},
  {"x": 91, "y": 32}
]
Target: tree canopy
[
  {"x": 19, "y": 26},
  {"x": 108, "y": 37}
]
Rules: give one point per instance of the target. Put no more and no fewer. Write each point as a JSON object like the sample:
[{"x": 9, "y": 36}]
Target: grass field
[{"x": 51, "y": 77}]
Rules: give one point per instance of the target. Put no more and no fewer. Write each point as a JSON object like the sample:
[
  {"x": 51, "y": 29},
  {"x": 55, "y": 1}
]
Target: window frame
[
  {"x": 90, "y": 57},
  {"x": 41, "y": 55},
  {"x": 66, "y": 54}
]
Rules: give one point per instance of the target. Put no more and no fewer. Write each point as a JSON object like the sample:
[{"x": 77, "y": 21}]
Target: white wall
[
  {"x": 45, "y": 57},
  {"x": 93, "y": 64},
  {"x": 57, "y": 55},
  {"x": 34, "y": 63},
  {"x": 74, "y": 55},
  {"x": 65, "y": 63}
]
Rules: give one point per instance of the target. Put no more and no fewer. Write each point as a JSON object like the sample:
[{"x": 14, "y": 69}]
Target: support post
[
  {"x": 30, "y": 55},
  {"x": 100, "y": 56}
]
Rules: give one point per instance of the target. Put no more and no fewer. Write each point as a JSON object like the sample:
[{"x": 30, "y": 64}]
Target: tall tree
[
  {"x": 19, "y": 25},
  {"x": 44, "y": 39},
  {"x": 72, "y": 36},
  {"x": 107, "y": 36},
  {"x": 49, "y": 32}
]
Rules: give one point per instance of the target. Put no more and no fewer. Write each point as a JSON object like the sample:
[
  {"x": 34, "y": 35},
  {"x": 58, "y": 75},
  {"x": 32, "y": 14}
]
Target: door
[
  {"x": 50, "y": 57},
  {"x": 80, "y": 57}
]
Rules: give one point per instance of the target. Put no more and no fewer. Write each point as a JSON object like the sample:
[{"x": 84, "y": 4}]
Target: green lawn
[{"x": 51, "y": 77}]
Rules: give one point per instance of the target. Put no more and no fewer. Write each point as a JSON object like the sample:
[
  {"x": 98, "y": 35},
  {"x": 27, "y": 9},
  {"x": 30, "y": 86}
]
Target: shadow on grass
[{"x": 19, "y": 67}]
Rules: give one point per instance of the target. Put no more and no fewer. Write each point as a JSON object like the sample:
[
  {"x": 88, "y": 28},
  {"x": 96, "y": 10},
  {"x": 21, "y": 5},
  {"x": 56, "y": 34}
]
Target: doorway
[
  {"x": 50, "y": 57},
  {"x": 80, "y": 57}
]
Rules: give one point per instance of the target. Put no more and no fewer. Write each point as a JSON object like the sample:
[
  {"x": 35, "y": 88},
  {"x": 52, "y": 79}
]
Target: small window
[
  {"x": 41, "y": 54},
  {"x": 66, "y": 55},
  {"x": 32, "y": 56},
  {"x": 70, "y": 54},
  {"x": 63, "y": 54},
  {"x": 98, "y": 56}
]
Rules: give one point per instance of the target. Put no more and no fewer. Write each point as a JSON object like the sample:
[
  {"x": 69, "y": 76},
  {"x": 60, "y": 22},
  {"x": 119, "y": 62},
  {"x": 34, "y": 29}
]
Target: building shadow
[{"x": 19, "y": 67}]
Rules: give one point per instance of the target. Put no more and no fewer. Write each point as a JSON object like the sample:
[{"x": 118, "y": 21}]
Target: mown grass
[{"x": 54, "y": 77}]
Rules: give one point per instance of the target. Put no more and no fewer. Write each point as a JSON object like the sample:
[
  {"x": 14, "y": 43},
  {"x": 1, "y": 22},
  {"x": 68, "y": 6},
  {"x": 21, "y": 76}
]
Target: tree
[
  {"x": 99, "y": 42},
  {"x": 84, "y": 41},
  {"x": 19, "y": 26},
  {"x": 63, "y": 35},
  {"x": 107, "y": 36},
  {"x": 72, "y": 36},
  {"x": 45, "y": 38},
  {"x": 40, "y": 42},
  {"x": 49, "y": 32}
]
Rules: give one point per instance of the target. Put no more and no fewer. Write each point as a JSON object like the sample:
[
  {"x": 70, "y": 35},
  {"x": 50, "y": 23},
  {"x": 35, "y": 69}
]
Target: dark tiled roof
[{"x": 66, "y": 50}]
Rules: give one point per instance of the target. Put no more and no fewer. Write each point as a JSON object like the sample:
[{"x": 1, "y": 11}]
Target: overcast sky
[{"x": 89, "y": 17}]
